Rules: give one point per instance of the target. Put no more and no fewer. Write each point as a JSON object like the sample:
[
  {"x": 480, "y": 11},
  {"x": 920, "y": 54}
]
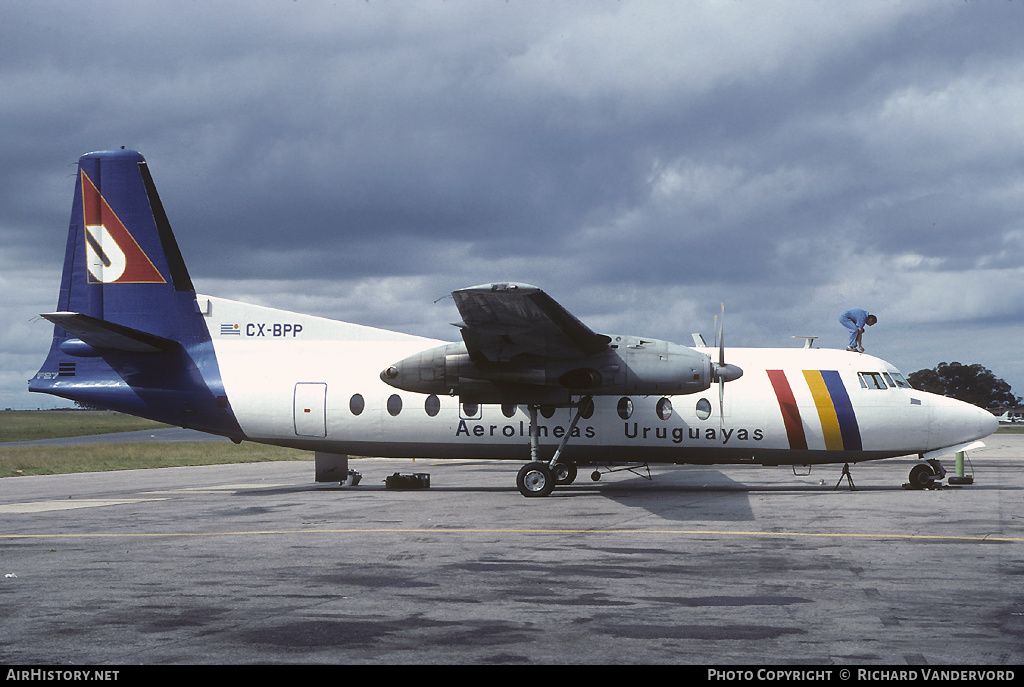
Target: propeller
[{"x": 723, "y": 372}]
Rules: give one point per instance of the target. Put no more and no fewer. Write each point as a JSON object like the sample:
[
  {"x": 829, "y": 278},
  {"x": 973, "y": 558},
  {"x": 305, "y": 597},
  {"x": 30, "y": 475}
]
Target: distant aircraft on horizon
[{"x": 528, "y": 382}]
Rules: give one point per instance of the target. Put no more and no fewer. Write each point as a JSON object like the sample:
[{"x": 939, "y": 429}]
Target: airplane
[{"x": 528, "y": 382}]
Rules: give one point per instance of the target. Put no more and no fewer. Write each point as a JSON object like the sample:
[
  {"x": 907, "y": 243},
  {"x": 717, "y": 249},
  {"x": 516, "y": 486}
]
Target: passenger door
[{"x": 310, "y": 409}]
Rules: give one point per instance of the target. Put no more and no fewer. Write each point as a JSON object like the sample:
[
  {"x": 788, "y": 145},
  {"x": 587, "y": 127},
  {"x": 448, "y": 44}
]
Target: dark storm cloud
[{"x": 642, "y": 161}]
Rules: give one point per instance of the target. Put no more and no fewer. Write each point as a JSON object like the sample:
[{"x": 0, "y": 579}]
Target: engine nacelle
[{"x": 628, "y": 366}]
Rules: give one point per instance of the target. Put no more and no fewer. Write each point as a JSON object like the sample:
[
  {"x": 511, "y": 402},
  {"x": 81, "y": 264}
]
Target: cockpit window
[
  {"x": 872, "y": 380},
  {"x": 901, "y": 382}
]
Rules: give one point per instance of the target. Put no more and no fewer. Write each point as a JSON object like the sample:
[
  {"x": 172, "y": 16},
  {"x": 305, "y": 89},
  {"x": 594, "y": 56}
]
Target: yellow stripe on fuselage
[{"x": 826, "y": 410}]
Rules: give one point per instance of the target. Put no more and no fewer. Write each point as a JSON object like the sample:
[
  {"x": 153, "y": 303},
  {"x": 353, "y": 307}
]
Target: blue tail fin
[{"x": 129, "y": 335}]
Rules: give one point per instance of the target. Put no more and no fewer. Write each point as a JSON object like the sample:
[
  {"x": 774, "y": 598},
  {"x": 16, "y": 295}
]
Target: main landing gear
[{"x": 539, "y": 478}]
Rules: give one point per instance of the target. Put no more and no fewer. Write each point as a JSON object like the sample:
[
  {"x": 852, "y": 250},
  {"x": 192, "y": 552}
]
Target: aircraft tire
[
  {"x": 535, "y": 479},
  {"x": 565, "y": 473},
  {"x": 921, "y": 476}
]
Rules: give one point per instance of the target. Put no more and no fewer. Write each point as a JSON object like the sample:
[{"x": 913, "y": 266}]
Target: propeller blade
[
  {"x": 721, "y": 379},
  {"x": 721, "y": 344},
  {"x": 721, "y": 403},
  {"x": 723, "y": 372}
]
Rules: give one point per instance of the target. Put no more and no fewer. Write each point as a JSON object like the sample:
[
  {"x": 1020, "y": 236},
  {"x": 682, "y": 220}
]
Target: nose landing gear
[{"x": 926, "y": 475}]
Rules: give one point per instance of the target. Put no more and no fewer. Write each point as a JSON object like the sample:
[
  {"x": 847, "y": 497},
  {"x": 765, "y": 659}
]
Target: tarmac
[{"x": 723, "y": 566}]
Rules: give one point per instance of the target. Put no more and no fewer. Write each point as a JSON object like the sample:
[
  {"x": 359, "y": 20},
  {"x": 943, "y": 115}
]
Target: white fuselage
[{"x": 312, "y": 383}]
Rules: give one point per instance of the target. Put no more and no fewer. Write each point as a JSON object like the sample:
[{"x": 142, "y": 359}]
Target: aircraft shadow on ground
[{"x": 689, "y": 494}]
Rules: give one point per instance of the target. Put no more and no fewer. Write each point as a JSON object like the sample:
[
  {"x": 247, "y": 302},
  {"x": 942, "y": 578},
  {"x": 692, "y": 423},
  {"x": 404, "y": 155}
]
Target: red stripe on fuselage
[{"x": 790, "y": 411}]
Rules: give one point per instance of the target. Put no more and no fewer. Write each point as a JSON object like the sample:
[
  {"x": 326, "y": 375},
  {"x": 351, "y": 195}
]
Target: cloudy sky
[{"x": 642, "y": 161}]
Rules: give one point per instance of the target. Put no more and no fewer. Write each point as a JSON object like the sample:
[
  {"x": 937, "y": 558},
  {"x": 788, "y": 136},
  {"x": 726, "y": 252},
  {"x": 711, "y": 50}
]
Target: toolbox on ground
[{"x": 419, "y": 480}]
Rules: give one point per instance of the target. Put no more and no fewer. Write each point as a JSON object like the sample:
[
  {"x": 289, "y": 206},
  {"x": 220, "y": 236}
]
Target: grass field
[
  {"x": 1010, "y": 429},
  {"x": 60, "y": 460},
  {"x": 54, "y": 460},
  {"x": 28, "y": 425}
]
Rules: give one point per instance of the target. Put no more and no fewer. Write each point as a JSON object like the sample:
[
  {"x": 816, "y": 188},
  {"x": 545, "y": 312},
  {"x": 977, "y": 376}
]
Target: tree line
[{"x": 971, "y": 383}]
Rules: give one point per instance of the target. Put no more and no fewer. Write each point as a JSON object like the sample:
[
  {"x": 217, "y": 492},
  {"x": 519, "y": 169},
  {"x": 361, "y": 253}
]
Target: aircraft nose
[
  {"x": 989, "y": 423},
  {"x": 980, "y": 420},
  {"x": 957, "y": 422}
]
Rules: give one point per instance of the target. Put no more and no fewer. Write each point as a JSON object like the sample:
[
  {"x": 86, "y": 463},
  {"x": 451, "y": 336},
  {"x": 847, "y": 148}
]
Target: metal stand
[{"x": 848, "y": 476}]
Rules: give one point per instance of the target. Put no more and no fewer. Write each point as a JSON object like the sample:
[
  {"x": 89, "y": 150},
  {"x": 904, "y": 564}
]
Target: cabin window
[
  {"x": 394, "y": 405},
  {"x": 703, "y": 409},
  {"x": 664, "y": 408},
  {"x": 508, "y": 409},
  {"x": 547, "y": 411},
  {"x": 471, "y": 411},
  {"x": 624, "y": 408},
  {"x": 872, "y": 380},
  {"x": 356, "y": 404},
  {"x": 587, "y": 410},
  {"x": 432, "y": 405}
]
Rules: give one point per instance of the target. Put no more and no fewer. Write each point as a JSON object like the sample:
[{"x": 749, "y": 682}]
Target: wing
[{"x": 502, "y": 321}]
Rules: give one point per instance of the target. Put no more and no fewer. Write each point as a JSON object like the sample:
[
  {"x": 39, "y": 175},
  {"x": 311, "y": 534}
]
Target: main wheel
[
  {"x": 565, "y": 473},
  {"x": 535, "y": 479},
  {"x": 921, "y": 476}
]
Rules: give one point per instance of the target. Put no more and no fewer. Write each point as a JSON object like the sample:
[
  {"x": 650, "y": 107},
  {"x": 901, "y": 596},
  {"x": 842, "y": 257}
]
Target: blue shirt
[{"x": 857, "y": 316}]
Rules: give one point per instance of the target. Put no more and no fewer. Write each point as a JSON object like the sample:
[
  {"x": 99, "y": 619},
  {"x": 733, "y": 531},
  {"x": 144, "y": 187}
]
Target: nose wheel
[{"x": 926, "y": 475}]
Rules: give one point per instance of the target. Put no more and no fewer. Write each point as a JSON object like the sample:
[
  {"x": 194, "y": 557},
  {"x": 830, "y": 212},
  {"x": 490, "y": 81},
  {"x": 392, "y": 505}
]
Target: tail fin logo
[{"x": 113, "y": 256}]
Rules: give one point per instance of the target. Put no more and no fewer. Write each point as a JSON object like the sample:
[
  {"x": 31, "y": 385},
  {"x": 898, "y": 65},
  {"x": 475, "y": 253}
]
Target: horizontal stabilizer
[{"x": 101, "y": 334}]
